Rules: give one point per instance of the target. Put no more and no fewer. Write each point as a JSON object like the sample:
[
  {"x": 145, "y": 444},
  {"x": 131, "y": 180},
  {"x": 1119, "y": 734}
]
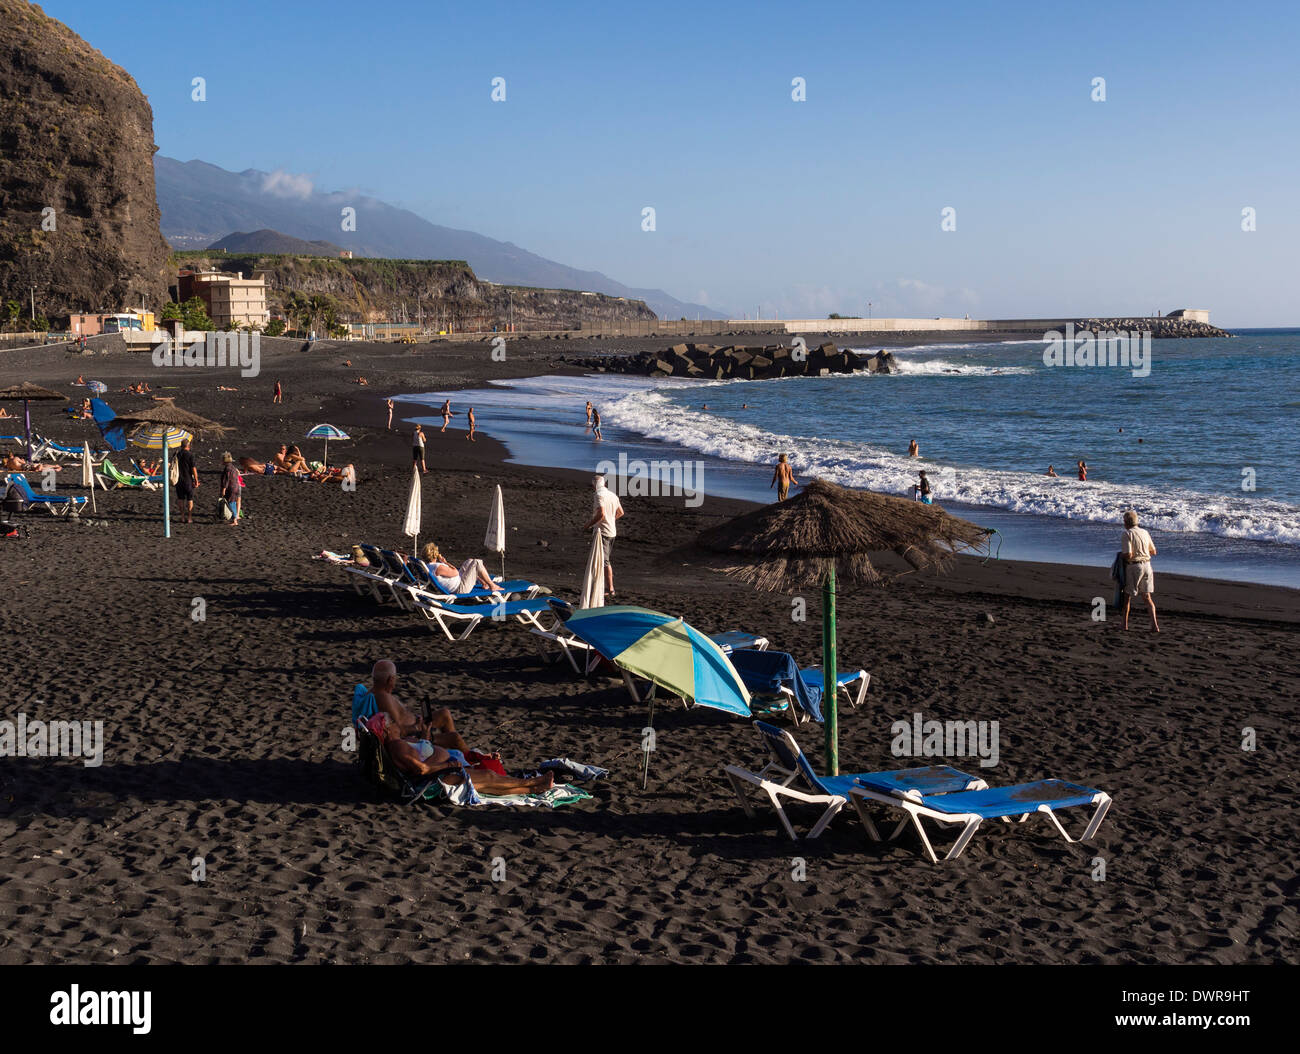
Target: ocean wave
[
  {"x": 654, "y": 415},
  {"x": 941, "y": 367}
]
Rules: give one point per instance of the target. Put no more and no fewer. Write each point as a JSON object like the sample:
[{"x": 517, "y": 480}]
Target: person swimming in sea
[{"x": 1051, "y": 470}]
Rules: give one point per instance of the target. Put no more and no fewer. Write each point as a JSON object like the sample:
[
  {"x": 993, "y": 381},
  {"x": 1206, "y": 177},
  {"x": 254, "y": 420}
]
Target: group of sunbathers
[
  {"x": 139, "y": 388},
  {"x": 431, "y": 746},
  {"x": 14, "y": 463},
  {"x": 288, "y": 460}
]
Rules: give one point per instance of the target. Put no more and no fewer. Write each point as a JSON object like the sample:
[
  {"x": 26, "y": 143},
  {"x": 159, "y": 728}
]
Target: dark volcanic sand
[{"x": 223, "y": 737}]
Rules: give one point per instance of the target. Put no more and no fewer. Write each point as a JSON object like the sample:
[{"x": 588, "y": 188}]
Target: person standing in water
[
  {"x": 470, "y": 435},
  {"x": 588, "y": 415},
  {"x": 1051, "y": 470},
  {"x": 1083, "y": 471},
  {"x": 913, "y": 450},
  {"x": 595, "y": 423},
  {"x": 782, "y": 477}
]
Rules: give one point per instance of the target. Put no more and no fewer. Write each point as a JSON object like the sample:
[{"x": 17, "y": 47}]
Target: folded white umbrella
[
  {"x": 495, "y": 539},
  {"x": 88, "y": 474},
  {"x": 593, "y": 582},
  {"x": 412, "y": 526}
]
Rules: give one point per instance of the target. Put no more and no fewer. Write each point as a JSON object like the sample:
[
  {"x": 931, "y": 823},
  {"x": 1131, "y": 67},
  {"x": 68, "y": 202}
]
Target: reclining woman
[
  {"x": 419, "y": 757},
  {"x": 472, "y": 574}
]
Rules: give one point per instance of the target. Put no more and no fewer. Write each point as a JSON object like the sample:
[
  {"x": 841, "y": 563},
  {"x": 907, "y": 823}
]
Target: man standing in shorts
[
  {"x": 782, "y": 477},
  {"x": 606, "y": 510},
  {"x": 1137, "y": 550},
  {"x": 417, "y": 448}
]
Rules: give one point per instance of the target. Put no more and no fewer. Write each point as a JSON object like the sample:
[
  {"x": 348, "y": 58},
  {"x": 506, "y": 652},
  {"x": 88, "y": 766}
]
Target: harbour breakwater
[{"x": 708, "y": 362}]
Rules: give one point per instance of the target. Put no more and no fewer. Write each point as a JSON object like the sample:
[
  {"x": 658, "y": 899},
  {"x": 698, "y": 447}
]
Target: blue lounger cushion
[
  {"x": 927, "y": 779},
  {"x": 816, "y": 678},
  {"x": 997, "y": 802},
  {"x": 510, "y": 607}
]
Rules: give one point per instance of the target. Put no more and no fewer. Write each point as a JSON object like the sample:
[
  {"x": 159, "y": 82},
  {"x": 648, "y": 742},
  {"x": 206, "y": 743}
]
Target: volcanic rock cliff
[{"x": 78, "y": 214}]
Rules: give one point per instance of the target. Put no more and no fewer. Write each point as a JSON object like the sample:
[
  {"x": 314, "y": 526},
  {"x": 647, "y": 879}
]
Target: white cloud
[{"x": 287, "y": 184}]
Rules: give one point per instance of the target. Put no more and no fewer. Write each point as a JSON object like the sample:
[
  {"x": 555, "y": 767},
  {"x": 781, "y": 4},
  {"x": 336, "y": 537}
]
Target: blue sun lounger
[
  {"x": 421, "y": 577},
  {"x": 790, "y": 766},
  {"x": 972, "y": 808},
  {"x": 466, "y": 617},
  {"x": 59, "y": 505}
]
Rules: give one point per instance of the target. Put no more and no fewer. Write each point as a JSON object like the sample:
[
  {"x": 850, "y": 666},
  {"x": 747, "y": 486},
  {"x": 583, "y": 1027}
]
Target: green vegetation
[
  {"x": 275, "y": 327},
  {"x": 193, "y": 314}
]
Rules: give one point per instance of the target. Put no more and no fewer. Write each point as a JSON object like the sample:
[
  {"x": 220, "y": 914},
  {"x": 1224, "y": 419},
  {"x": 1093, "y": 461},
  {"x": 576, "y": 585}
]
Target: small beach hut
[
  {"x": 26, "y": 393},
  {"x": 162, "y": 427},
  {"x": 827, "y": 530}
]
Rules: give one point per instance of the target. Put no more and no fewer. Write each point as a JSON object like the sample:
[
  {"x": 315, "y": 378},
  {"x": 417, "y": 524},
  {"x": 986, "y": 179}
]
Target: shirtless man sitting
[
  {"x": 420, "y": 757},
  {"x": 286, "y": 462},
  {"x": 439, "y": 727}
]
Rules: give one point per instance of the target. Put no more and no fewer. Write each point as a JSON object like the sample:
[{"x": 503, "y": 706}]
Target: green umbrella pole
[
  {"x": 167, "y": 505},
  {"x": 830, "y": 695}
]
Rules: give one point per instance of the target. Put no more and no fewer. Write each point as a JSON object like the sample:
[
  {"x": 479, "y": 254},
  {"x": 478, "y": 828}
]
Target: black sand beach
[{"x": 223, "y": 737}]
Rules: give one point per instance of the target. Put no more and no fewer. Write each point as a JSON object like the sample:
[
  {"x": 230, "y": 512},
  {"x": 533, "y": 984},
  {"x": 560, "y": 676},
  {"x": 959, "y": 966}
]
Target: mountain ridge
[{"x": 202, "y": 203}]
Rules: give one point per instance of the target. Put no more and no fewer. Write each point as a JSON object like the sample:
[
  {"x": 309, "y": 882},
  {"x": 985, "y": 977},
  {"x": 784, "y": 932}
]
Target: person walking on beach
[
  {"x": 187, "y": 481},
  {"x": 446, "y": 414},
  {"x": 1083, "y": 472},
  {"x": 417, "y": 448},
  {"x": 921, "y": 492},
  {"x": 606, "y": 511},
  {"x": 913, "y": 450},
  {"x": 595, "y": 423},
  {"x": 278, "y": 397},
  {"x": 1137, "y": 549},
  {"x": 471, "y": 420},
  {"x": 230, "y": 488},
  {"x": 390, "y": 415},
  {"x": 782, "y": 477}
]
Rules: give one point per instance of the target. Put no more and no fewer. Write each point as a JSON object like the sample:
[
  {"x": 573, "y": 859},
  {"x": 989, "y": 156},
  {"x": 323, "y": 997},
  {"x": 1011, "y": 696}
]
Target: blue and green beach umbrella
[
  {"x": 666, "y": 650},
  {"x": 327, "y": 432}
]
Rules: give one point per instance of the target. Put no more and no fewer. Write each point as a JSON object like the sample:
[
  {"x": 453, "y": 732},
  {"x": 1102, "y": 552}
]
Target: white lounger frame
[
  {"x": 466, "y": 622},
  {"x": 910, "y": 803}
]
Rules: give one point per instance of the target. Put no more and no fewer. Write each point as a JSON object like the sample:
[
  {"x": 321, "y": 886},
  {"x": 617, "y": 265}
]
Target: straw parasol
[
  {"x": 167, "y": 419},
  {"x": 825, "y": 531},
  {"x": 25, "y": 393}
]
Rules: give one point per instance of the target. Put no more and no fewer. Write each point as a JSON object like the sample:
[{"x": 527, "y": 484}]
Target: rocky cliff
[
  {"x": 78, "y": 215},
  {"x": 437, "y": 291}
]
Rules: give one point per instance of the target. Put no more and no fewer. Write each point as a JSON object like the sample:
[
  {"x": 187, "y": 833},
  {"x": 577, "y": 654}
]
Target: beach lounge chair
[
  {"x": 789, "y": 770},
  {"x": 57, "y": 504},
  {"x": 374, "y": 579},
  {"x": 382, "y": 775},
  {"x": 114, "y": 475},
  {"x": 43, "y": 449},
  {"x": 423, "y": 578},
  {"x": 466, "y": 617},
  {"x": 738, "y": 640},
  {"x": 971, "y": 808},
  {"x": 139, "y": 471}
]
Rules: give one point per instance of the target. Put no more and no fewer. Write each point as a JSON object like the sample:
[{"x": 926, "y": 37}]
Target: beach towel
[
  {"x": 560, "y": 794},
  {"x": 363, "y": 703},
  {"x": 765, "y": 672},
  {"x": 1118, "y": 571}
]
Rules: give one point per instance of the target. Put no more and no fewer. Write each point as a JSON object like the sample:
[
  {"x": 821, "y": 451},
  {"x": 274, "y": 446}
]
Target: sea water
[{"x": 1203, "y": 446}]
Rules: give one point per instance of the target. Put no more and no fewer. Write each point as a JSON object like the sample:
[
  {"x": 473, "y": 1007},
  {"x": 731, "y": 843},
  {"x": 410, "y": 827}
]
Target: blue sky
[{"x": 1063, "y": 205}]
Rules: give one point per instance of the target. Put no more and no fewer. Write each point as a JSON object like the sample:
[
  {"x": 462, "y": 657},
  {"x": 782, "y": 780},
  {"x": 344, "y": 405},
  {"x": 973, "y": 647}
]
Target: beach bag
[
  {"x": 224, "y": 512},
  {"x": 174, "y": 473}
]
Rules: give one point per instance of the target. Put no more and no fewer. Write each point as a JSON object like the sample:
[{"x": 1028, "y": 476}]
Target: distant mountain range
[{"x": 202, "y": 204}]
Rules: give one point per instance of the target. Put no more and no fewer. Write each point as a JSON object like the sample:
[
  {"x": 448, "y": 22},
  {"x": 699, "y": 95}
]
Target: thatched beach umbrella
[
  {"x": 25, "y": 393},
  {"x": 168, "y": 419},
  {"x": 827, "y": 530}
]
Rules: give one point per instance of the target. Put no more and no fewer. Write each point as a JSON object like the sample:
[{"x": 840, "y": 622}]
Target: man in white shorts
[
  {"x": 1138, "y": 549},
  {"x": 606, "y": 510}
]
